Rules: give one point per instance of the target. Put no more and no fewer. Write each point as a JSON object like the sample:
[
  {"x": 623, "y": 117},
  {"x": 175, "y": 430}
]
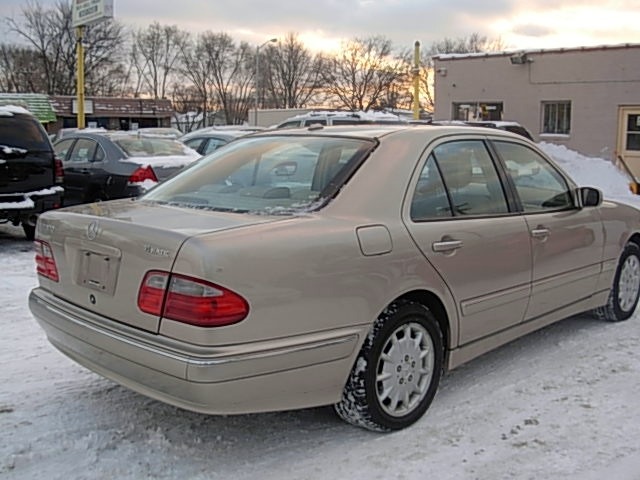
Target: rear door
[
  {"x": 567, "y": 241},
  {"x": 78, "y": 170},
  {"x": 464, "y": 224}
]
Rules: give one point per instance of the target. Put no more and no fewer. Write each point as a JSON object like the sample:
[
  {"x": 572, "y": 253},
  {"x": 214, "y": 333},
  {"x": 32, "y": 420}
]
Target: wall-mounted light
[{"x": 519, "y": 58}]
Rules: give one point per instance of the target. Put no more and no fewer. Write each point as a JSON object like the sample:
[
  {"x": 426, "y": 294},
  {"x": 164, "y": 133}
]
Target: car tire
[
  {"x": 397, "y": 372},
  {"x": 29, "y": 231},
  {"x": 625, "y": 290}
]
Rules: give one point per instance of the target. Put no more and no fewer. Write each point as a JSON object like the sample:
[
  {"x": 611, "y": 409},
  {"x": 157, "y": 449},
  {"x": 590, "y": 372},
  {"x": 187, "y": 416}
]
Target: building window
[
  {"x": 479, "y": 111},
  {"x": 556, "y": 117}
]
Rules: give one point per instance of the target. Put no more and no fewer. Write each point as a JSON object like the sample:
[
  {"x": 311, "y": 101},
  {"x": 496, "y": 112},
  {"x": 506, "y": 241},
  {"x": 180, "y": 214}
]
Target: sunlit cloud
[{"x": 569, "y": 27}]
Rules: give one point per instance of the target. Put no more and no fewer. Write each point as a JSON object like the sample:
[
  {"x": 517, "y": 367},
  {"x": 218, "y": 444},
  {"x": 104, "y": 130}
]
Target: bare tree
[
  {"x": 50, "y": 34},
  {"x": 292, "y": 74},
  {"x": 360, "y": 74},
  {"x": 233, "y": 75},
  {"x": 19, "y": 72},
  {"x": 155, "y": 54},
  {"x": 187, "y": 105},
  {"x": 197, "y": 67}
]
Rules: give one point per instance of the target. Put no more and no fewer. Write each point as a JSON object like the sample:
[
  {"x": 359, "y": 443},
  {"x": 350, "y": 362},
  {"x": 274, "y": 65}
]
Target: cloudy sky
[{"x": 322, "y": 24}]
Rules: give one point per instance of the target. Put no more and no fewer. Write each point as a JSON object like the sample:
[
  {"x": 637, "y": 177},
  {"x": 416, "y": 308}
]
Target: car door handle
[
  {"x": 540, "y": 233},
  {"x": 446, "y": 245}
]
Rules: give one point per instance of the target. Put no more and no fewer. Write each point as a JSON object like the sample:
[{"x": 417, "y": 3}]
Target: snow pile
[{"x": 591, "y": 171}]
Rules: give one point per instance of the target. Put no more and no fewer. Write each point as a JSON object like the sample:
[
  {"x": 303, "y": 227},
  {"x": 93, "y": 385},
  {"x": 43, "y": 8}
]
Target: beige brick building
[{"x": 585, "y": 98}]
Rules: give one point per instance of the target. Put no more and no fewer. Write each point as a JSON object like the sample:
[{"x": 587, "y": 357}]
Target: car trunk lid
[{"x": 103, "y": 251}]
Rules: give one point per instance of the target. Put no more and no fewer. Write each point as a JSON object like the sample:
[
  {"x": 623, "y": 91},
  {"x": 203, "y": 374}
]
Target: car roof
[
  {"x": 374, "y": 131},
  {"x": 226, "y": 134}
]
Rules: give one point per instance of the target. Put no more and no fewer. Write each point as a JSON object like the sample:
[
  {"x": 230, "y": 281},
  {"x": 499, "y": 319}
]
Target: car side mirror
[{"x": 589, "y": 197}]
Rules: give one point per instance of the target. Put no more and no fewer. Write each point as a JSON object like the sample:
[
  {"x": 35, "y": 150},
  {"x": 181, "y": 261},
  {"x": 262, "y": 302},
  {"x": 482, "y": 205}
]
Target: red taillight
[
  {"x": 59, "y": 171},
  {"x": 45, "y": 263},
  {"x": 190, "y": 300},
  {"x": 141, "y": 174}
]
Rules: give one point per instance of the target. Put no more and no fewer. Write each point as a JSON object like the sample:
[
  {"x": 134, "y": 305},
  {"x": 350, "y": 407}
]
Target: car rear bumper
[
  {"x": 18, "y": 205},
  {"x": 304, "y": 371}
]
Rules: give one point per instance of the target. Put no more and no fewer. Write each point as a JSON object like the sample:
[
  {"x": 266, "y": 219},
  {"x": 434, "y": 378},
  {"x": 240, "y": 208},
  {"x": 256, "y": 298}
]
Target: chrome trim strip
[{"x": 215, "y": 357}]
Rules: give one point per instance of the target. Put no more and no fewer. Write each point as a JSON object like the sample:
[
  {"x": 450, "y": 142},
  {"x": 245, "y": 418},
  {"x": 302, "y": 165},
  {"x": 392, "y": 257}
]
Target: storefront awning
[{"x": 36, "y": 103}]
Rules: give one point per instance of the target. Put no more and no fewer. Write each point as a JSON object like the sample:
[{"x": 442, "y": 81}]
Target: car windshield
[
  {"x": 142, "y": 146},
  {"x": 275, "y": 175}
]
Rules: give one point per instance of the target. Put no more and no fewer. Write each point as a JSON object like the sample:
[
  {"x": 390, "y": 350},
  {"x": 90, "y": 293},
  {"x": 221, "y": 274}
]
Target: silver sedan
[{"x": 345, "y": 266}]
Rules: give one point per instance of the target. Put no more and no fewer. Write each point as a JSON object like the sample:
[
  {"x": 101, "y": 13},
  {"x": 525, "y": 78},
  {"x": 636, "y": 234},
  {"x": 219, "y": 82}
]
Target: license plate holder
[{"x": 98, "y": 271}]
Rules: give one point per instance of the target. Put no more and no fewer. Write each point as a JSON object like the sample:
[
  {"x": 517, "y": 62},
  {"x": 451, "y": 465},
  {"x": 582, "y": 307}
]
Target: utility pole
[
  {"x": 416, "y": 80},
  {"x": 80, "y": 76}
]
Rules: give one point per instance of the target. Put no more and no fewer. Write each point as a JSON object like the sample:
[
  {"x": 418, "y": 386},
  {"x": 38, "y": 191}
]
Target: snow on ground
[{"x": 561, "y": 403}]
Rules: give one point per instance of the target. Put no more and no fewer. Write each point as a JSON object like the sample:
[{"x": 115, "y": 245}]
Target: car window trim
[{"x": 513, "y": 204}]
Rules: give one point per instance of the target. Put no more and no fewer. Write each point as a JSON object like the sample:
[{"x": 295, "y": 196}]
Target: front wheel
[
  {"x": 625, "y": 290},
  {"x": 397, "y": 372}
]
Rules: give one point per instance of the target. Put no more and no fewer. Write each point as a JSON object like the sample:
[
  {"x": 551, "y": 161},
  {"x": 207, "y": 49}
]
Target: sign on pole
[{"x": 87, "y": 12}]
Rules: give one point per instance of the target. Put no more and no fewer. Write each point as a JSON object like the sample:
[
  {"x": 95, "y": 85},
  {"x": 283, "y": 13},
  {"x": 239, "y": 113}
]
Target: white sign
[
  {"x": 88, "y": 107},
  {"x": 86, "y": 12}
]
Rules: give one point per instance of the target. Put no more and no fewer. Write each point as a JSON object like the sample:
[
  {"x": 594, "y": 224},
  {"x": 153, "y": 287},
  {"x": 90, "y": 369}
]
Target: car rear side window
[
  {"x": 539, "y": 185},
  {"x": 213, "y": 144},
  {"x": 62, "y": 147},
  {"x": 23, "y": 131},
  {"x": 83, "y": 150},
  {"x": 430, "y": 199}
]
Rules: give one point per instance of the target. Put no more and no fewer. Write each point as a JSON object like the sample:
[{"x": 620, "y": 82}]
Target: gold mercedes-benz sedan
[{"x": 345, "y": 266}]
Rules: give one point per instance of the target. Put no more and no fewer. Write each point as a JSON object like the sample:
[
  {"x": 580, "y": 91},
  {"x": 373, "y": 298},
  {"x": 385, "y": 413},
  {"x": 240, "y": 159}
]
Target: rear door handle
[{"x": 446, "y": 246}]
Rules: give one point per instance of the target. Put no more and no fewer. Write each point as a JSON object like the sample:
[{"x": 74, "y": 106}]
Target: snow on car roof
[
  {"x": 371, "y": 115},
  {"x": 188, "y": 157},
  {"x": 10, "y": 110}
]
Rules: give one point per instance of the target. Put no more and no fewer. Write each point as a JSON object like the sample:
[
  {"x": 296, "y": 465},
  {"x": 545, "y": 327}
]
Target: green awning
[{"x": 36, "y": 103}]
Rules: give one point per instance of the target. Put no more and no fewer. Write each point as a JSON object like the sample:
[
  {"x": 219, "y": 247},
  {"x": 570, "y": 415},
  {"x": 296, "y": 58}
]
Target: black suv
[{"x": 30, "y": 175}]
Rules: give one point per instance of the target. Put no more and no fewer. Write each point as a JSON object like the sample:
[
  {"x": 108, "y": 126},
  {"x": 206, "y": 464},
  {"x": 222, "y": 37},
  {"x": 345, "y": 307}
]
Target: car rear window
[
  {"x": 266, "y": 175},
  {"x": 23, "y": 131},
  {"x": 141, "y": 146}
]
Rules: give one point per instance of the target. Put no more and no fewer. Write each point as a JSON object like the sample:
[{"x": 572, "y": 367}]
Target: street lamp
[{"x": 257, "y": 80}]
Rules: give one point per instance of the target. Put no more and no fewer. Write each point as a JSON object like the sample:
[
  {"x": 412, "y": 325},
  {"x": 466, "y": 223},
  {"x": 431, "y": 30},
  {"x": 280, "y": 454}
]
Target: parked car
[
  {"x": 30, "y": 175},
  {"x": 166, "y": 132},
  {"x": 513, "y": 127},
  {"x": 106, "y": 166},
  {"x": 345, "y": 265},
  {"x": 340, "y": 118},
  {"x": 206, "y": 140},
  {"x": 64, "y": 132}
]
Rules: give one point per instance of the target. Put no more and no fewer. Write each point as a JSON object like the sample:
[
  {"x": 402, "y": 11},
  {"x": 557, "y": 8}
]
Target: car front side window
[{"x": 539, "y": 185}]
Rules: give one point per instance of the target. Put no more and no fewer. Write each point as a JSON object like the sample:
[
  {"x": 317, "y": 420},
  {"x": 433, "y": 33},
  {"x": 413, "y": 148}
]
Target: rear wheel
[
  {"x": 397, "y": 372},
  {"x": 625, "y": 290},
  {"x": 29, "y": 231}
]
